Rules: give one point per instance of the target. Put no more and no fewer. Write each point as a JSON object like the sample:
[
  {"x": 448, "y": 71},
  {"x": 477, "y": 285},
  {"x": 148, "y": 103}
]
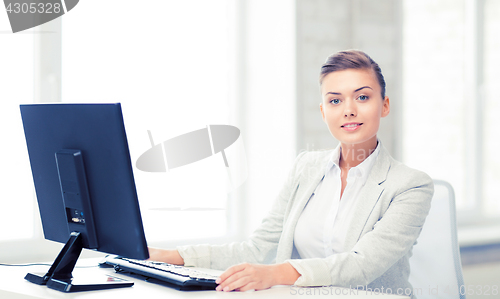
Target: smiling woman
[{"x": 345, "y": 217}]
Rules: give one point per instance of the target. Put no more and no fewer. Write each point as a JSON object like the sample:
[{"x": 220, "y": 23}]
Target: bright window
[
  {"x": 451, "y": 65},
  {"x": 489, "y": 92},
  {"x": 16, "y": 193},
  {"x": 169, "y": 65}
]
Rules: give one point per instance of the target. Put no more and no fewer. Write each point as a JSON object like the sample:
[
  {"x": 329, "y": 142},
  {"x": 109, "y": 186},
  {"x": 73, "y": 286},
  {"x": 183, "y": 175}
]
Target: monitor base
[
  {"x": 74, "y": 285},
  {"x": 37, "y": 279},
  {"x": 59, "y": 277}
]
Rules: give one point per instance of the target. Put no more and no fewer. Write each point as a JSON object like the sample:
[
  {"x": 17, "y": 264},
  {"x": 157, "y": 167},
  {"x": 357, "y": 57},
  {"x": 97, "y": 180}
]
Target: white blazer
[{"x": 389, "y": 216}]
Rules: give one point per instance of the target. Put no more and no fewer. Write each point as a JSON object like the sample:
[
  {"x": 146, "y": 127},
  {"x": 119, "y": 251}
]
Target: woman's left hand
[{"x": 245, "y": 277}]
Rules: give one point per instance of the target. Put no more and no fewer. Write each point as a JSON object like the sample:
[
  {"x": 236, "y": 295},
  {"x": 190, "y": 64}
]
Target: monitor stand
[{"x": 59, "y": 276}]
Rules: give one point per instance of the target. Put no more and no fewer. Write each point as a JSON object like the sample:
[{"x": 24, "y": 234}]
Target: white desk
[{"x": 13, "y": 286}]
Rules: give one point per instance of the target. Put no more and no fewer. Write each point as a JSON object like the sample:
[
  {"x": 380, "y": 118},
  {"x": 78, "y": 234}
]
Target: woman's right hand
[{"x": 165, "y": 256}]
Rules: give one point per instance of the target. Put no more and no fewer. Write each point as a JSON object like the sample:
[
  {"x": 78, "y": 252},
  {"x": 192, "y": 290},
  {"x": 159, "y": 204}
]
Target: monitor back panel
[{"x": 97, "y": 130}]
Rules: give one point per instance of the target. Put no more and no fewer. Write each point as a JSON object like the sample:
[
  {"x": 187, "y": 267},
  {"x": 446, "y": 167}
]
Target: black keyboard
[{"x": 179, "y": 277}]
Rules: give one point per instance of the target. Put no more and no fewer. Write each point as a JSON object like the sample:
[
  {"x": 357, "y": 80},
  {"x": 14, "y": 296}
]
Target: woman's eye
[
  {"x": 363, "y": 98},
  {"x": 335, "y": 101}
]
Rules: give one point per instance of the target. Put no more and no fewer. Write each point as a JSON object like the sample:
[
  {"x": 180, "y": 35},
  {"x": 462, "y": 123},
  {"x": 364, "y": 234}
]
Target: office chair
[{"x": 435, "y": 266}]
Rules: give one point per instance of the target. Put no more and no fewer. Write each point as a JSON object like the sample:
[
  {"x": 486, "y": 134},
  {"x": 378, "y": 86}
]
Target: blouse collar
[{"x": 362, "y": 170}]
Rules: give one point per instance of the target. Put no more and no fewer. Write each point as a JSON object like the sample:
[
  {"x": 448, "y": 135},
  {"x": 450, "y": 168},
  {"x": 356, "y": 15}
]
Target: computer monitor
[{"x": 84, "y": 186}]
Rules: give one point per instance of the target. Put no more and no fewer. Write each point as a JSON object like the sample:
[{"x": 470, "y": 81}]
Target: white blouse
[{"x": 322, "y": 226}]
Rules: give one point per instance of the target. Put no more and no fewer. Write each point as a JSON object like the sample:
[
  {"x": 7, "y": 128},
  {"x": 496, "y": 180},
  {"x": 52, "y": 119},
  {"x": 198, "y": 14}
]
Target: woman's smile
[{"x": 351, "y": 126}]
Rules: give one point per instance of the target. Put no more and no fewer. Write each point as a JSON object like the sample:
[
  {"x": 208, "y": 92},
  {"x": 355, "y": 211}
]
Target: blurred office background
[{"x": 177, "y": 66}]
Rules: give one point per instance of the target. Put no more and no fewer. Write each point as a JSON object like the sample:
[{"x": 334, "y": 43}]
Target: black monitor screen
[{"x": 94, "y": 136}]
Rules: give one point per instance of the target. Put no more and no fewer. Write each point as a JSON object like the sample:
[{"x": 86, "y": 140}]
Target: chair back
[{"x": 435, "y": 266}]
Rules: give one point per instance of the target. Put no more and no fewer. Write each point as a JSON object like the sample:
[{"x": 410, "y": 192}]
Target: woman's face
[{"x": 352, "y": 105}]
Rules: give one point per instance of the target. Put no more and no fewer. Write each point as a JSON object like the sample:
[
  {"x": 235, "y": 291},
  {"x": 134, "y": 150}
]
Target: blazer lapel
[
  {"x": 305, "y": 187},
  {"x": 368, "y": 197}
]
